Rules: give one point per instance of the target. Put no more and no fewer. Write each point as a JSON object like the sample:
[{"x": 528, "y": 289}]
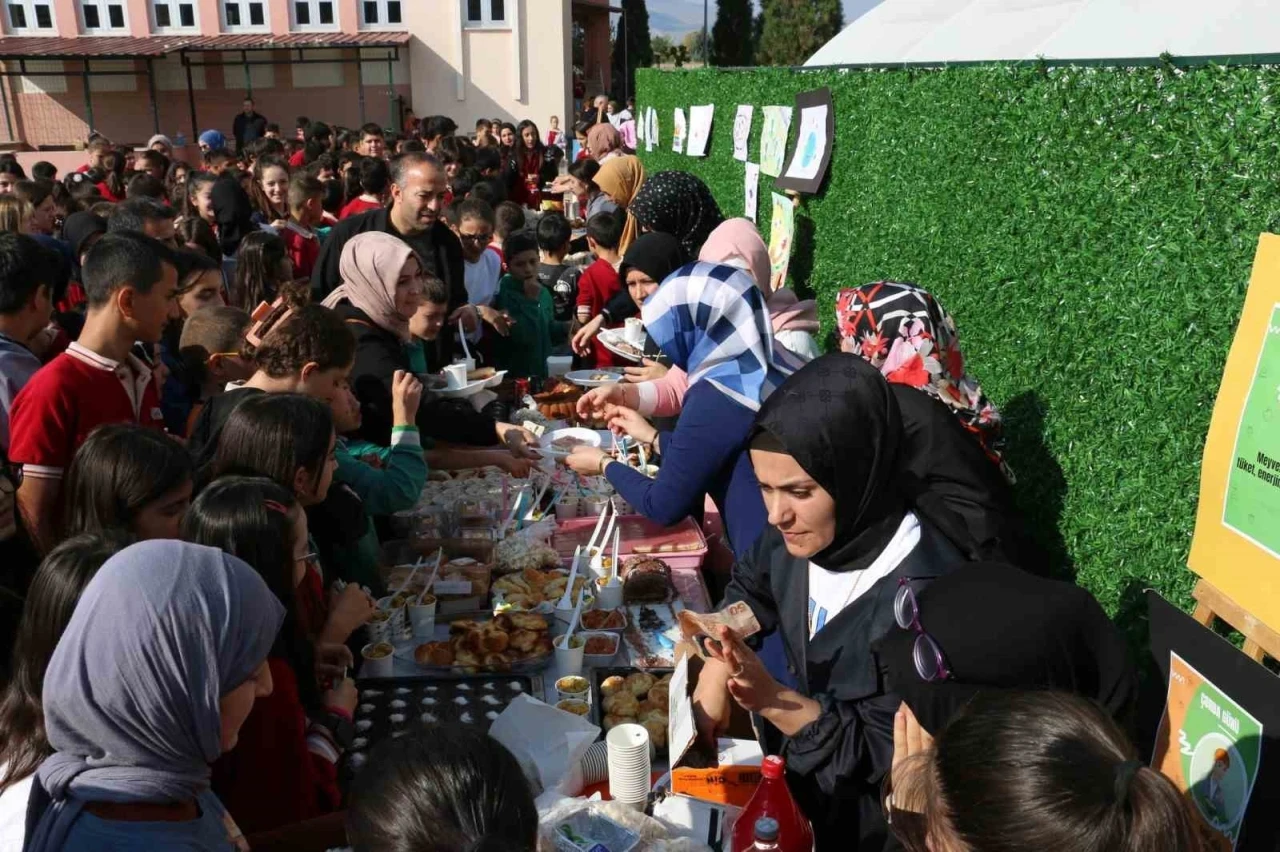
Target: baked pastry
[
  {"x": 612, "y": 685},
  {"x": 647, "y": 580},
  {"x": 526, "y": 621},
  {"x": 611, "y": 721},
  {"x": 494, "y": 640},
  {"x": 660, "y": 696},
  {"x": 463, "y": 626},
  {"x": 621, "y": 704},
  {"x": 496, "y": 662},
  {"x": 434, "y": 654},
  {"x": 524, "y": 641},
  {"x": 657, "y": 732},
  {"x": 640, "y": 683}
]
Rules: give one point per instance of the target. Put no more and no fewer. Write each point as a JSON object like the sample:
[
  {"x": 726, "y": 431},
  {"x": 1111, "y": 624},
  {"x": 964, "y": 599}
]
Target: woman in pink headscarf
[{"x": 735, "y": 242}]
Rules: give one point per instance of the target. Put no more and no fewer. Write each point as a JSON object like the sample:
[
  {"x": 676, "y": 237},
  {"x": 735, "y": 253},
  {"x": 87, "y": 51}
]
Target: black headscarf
[
  {"x": 1002, "y": 628},
  {"x": 234, "y": 213},
  {"x": 656, "y": 255},
  {"x": 679, "y": 204},
  {"x": 837, "y": 418},
  {"x": 77, "y": 231}
]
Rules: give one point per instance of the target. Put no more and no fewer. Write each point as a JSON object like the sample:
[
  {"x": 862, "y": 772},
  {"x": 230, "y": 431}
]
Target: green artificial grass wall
[{"x": 1090, "y": 229}]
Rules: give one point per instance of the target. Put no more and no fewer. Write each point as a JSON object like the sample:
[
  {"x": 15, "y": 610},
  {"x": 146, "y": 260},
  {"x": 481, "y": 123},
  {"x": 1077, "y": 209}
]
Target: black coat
[
  {"x": 446, "y": 260},
  {"x": 379, "y": 353},
  {"x": 836, "y": 764}
]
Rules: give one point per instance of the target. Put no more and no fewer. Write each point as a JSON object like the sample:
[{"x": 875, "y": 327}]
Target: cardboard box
[{"x": 730, "y": 775}]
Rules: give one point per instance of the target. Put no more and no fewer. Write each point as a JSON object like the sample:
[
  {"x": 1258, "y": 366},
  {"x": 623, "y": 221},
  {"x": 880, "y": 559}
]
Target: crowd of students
[{"x": 209, "y": 403}]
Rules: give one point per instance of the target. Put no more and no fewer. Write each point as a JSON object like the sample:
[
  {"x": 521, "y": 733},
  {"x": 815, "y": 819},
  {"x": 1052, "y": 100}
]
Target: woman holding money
[{"x": 846, "y": 531}]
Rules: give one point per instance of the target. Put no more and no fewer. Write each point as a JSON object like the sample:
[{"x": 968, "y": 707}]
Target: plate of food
[
  {"x": 613, "y": 341},
  {"x": 627, "y": 695},
  {"x": 471, "y": 388},
  {"x": 510, "y": 642},
  {"x": 528, "y": 590},
  {"x": 561, "y": 442},
  {"x": 491, "y": 377},
  {"x": 593, "y": 378}
]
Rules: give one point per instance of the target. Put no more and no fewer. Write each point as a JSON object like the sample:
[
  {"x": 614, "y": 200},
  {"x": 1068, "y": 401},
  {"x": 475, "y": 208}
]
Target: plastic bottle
[
  {"x": 773, "y": 799},
  {"x": 766, "y": 839}
]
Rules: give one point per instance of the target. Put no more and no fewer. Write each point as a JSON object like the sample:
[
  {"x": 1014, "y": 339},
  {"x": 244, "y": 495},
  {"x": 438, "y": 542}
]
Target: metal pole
[
  {"x": 151, "y": 88},
  {"x": 391, "y": 92},
  {"x": 88, "y": 96},
  {"x": 248, "y": 81},
  {"x": 191, "y": 99},
  {"x": 705, "y": 42},
  {"x": 360, "y": 83},
  {"x": 4, "y": 97}
]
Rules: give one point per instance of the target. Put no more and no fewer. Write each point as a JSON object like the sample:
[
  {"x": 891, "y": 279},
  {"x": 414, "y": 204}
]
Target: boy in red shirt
[
  {"x": 131, "y": 281},
  {"x": 306, "y": 210},
  {"x": 374, "y": 177},
  {"x": 599, "y": 282}
]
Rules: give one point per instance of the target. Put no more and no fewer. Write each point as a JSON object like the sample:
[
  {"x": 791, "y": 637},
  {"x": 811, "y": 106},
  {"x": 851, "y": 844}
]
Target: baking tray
[
  {"x": 376, "y": 709},
  {"x": 599, "y": 675},
  {"x": 643, "y": 639}
]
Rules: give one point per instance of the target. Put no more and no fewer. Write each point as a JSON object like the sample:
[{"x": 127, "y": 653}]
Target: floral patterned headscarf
[{"x": 905, "y": 333}]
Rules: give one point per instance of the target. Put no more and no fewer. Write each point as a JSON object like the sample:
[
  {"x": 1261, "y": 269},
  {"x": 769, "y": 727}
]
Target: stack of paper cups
[{"x": 629, "y": 765}]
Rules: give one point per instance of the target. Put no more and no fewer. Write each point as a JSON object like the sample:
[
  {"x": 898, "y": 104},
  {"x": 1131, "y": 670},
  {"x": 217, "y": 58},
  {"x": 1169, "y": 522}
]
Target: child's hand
[
  {"x": 500, "y": 320},
  {"x": 406, "y": 395},
  {"x": 582, "y": 337}
]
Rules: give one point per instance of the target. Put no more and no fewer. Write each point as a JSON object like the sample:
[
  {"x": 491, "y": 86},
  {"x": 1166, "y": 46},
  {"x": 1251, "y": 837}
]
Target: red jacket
[
  {"x": 304, "y": 250},
  {"x": 598, "y": 284},
  {"x": 271, "y": 778}
]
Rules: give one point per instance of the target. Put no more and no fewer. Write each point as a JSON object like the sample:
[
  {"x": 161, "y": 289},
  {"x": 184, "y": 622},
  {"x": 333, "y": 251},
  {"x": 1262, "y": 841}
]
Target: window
[
  {"x": 29, "y": 16},
  {"x": 170, "y": 15},
  {"x": 485, "y": 13},
  {"x": 383, "y": 14},
  {"x": 99, "y": 16},
  {"x": 244, "y": 14},
  {"x": 314, "y": 14}
]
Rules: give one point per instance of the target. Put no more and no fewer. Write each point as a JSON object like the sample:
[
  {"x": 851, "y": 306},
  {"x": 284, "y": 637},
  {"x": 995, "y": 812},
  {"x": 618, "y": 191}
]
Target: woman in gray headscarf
[{"x": 150, "y": 683}]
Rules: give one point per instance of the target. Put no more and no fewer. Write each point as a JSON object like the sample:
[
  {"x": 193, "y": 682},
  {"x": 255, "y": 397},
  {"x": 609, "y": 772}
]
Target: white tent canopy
[{"x": 983, "y": 30}]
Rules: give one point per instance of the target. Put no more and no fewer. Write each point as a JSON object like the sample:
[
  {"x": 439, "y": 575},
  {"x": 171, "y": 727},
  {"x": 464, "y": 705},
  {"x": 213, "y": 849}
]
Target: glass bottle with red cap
[{"x": 773, "y": 800}]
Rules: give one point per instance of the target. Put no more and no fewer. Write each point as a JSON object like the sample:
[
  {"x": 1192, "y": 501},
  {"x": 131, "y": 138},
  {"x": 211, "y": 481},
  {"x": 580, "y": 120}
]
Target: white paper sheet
[{"x": 742, "y": 131}]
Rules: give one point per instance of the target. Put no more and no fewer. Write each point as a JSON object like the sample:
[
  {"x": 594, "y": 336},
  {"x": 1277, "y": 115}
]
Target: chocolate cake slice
[{"x": 646, "y": 580}]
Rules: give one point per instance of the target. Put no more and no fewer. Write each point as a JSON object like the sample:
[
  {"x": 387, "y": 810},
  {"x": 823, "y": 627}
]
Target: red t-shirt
[
  {"x": 303, "y": 248},
  {"x": 598, "y": 284},
  {"x": 356, "y": 206},
  {"x": 107, "y": 194},
  {"x": 271, "y": 778},
  {"x": 67, "y": 399},
  {"x": 298, "y": 158}
]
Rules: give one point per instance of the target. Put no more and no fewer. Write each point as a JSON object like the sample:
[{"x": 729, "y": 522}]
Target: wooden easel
[{"x": 1259, "y": 640}]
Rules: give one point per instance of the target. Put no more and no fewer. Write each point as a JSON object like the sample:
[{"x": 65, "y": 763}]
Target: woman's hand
[
  {"x": 711, "y": 707},
  {"x": 343, "y": 696},
  {"x": 909, "y": 741},
  {"x": 581, "y": 342},
  {"x": 406, "y": 396},
  {"x": 586, "y": 460},
  {"x": 348, "y": 609},
  {"x": 593, "y": 404},
  {"x": 333, "y": 659},
  {"x": 628, "y": 421},
  {"x": 750, "y": 683},
  {"x": 522, "y": 443},
  {"x": 519, "y": 468},
  {"x": 651, "y": 371}
]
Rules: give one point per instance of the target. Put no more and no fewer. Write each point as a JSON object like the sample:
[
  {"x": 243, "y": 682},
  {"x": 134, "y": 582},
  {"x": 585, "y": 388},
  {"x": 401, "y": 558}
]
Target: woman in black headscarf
[
  {"x": 679, "y": 204},
  {"x": 994, "y": 627},
  {"x": 846, "y": 523}
]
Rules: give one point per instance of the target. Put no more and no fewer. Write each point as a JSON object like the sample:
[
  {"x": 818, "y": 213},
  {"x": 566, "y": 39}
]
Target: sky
[{"x": 677, "y": 17}]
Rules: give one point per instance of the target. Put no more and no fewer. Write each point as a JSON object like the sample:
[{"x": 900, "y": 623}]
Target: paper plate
[
  {"x": 576, "y": 434},
  {"x": 614, "y": 342},
  {"x": 591, "y": 378}
]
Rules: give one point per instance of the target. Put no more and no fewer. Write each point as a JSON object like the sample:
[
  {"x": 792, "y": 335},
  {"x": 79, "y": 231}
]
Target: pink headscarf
[
  {"x": 370, "y": 269},
  {"x": 738, "y": 239}
]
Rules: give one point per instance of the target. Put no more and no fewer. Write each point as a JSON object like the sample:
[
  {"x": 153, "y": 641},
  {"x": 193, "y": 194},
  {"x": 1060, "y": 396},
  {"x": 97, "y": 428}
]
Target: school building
[{"x": 131, "y": 68}]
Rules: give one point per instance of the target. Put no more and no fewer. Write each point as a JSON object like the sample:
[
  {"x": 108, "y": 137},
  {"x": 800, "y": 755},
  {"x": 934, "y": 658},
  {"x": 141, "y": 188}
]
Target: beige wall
[{"x": 469, "y": 74}]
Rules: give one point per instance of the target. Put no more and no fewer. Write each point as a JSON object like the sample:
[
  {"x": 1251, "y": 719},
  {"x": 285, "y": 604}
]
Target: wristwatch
[{"x": 341, "y": 728}]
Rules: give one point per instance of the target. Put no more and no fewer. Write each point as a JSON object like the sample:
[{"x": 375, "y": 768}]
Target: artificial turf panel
[{"x": 1090, "y": 229}]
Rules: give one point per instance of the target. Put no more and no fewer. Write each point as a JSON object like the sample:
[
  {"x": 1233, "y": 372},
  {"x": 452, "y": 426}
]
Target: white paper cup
[
  {"x": 399, "y": 621},
  {"x": 376, "y": 666},
  {"x": 422, "y": 617},
  {"x": 568, "y": 660},
  {"x": 567, "y": 508},
  {"x": 609, "y": 595},
  {"x": 633, "y": 332},
  {"x": 558, "y": 365},
  {"x": 565, "y": 692},
  {"x": 456, "y": 375},
  {"x": 592, "y": 505}
]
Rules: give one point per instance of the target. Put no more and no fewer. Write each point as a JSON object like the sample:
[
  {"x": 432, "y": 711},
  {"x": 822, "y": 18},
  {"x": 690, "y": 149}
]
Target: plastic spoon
[
  {"x": 573, "y": 619},
  {"x": 407, "y": 580},
  {"x": 462, "y": 334},
  {"x": 599, "y": 523},
  {"x": 566, "y": 600},
  {"x": 431, "y": 581},
  {"x": 613, "y": 566},
  {"x": 608, "y": 533}
]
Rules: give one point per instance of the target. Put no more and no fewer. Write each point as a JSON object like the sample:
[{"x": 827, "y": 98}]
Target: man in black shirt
[{"x": 248, "y": 126}]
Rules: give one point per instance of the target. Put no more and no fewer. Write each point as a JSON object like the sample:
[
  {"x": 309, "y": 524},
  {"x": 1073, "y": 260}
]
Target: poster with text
[
  {"x": 1211, "y": 748},
  {"x": 650, "y": 117},
  {"x": 678, "y": 130},
  {"x": 742, "y": 131},
  {"x": 751, "y": 191},
  {"x": 782, "y": 229},
  {"x": 699, "y": 129},
  {"x": 1252, "y": 507},
  {"x": 815, "y": 134},
  {"x": 1236, "y": 546},
  {"x": 773, "y": 139}
]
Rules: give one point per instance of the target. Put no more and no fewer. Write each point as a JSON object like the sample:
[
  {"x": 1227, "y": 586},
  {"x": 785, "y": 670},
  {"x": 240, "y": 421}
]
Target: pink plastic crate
[{"x": 639, "y": 530}]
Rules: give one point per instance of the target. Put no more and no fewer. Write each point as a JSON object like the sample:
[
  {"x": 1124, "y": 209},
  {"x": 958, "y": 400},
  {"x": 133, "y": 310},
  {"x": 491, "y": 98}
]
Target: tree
[
  {"x": 795, "y": 29},
  {"x": 662, "y": 49},
  {"x": 693, "y": 42},
  {"x": 632, "y": 48},
  {"x": 732, "y": 44}
]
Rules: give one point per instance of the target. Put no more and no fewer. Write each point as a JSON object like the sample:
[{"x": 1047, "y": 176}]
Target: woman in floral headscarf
[{"x": 906, "y": 334}]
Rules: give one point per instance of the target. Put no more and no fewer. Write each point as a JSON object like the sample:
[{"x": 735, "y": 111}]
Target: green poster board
[{"x": 1252, "y": 507}]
